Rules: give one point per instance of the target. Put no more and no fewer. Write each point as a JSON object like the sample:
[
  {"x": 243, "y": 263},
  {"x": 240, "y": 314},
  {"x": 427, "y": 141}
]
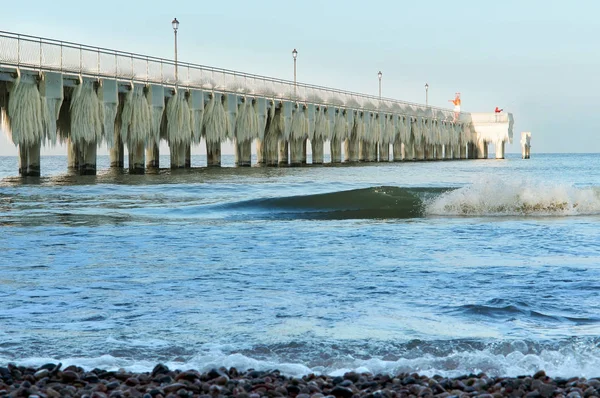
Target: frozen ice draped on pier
[
  {"x": 26, "y": 118},
  {"x": 87, "y": 119}
]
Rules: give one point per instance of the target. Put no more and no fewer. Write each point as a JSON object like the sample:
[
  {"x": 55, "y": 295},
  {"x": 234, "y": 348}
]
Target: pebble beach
[{"x": 51, "y": 380}]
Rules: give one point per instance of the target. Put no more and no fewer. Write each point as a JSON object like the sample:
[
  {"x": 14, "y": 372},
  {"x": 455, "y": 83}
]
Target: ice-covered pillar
[
  {"x": 526, "y": 144},
  {"x": 482, "y": 149},
  {"x": 351, "y": 149},
  {"x": 447, "y": 151},
  {"x": 117, "y": 157},
  {"x": 439, "y": 151},
  {"x": 72, "y": 155},
  {"x": 397, "y": 150},
  {"x": 152, "y": 156},
  {"x": 384, "y": 152},
  {"x": 137, "y": 159},
  {"x": 29, "y": 160},
  {"x": 317, "y": 147},
  {"x": 188, "y": 155},
  {"x": 335, "y": 144},
  {"x": 177, "y": 151},
  {"x": 260, "y": 155},
  {"x": 304, "y": 151},
  {"x": 283, "y": 158},
  {"x": 500, "y": 150},
  {"x": 213, "y": 154},
  {"x": 87, "y": 159},
  {"x": 296, "y": 150},
  {"x": 463, "y": 151},
  {"x": 243, "y": 153}
]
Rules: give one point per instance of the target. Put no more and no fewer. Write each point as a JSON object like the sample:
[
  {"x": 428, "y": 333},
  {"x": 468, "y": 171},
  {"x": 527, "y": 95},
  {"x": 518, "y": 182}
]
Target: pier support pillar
[
  {"x": 419, "y": 152},
  {"x": 336, "y": 150},
  {"x": 117, "y": 153},
  {"x": 188, "y": 156},
  {"x": 463, "y": 151},
  {"x": 428, "y": 152},
  {"x": 500, "y": 150},
  {"x": 29, "y": 160},
  {"x": 296, "y": 151},
  {"x": 317, "y": 150},
  {"x": 87, "y": 159},
  {"x": 447, "y": 152},
  {"x": 213, "y": 154},
  {"x": 439, "y": 152},
  {"x": 384, "y": 152},
  {"x": 260, "y": 154},
  {"x": 178, "y": 152},
  {"x": 72, "y": 155},
  {"x": 397, "y": 151},
  {"x": 137, "y": 159},
  {"x": 152, "y": 157},
  {"x": 304, "y": 144},
  {"x": 482, "y": 149},
  {"x": 351, "y": 150},
  {"x": 283, "y": 153},
  {"x": 243, "y": 153},
  {"x": 362, "y": 151}
]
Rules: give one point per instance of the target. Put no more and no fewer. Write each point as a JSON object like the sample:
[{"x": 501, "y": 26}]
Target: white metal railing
[{"x": 36, "y": 53}]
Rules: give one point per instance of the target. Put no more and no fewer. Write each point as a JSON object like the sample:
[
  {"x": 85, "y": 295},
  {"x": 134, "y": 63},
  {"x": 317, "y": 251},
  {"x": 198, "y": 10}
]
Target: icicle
[
  {"x": 231, "y": 107},
  {"x": 340, "y": 126},
  {"x": 86, "y": 120},
  {"x": 320, "y": 122},
  {"x": 298, "y": 129},
  {"x": 246, "y": 127},
  {"x": 261, "y": 112},
  {"x": 215, "y": 120},
  {"x": 24, "y": 123},
  {"x": 179, "y": 124},
  {"x": 136, "y": 119}
]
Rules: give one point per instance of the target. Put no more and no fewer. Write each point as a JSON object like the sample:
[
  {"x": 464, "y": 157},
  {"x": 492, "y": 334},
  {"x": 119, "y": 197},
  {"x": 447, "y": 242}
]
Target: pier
[{"x": 53, "y": 91}]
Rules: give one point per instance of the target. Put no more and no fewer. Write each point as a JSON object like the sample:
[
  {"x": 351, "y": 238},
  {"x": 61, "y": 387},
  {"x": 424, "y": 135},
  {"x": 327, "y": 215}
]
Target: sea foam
[{"x": 494, "y": 197}]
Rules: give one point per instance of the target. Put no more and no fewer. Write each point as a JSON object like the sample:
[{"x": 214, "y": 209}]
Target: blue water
[{"x": 437, "y": 267}]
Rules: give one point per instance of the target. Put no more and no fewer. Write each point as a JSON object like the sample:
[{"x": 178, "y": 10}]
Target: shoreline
[{"x": 52, "y": 381}]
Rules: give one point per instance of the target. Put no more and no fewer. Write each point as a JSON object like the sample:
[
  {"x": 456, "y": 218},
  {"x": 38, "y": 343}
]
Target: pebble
[{"x": 50, "y": 382}]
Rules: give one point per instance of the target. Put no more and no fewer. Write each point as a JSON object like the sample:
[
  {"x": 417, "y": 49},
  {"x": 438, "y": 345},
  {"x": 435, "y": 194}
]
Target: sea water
[{"x": 444, "y": 268}]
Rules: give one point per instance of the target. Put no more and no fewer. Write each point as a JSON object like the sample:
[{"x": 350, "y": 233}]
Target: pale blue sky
[{"x": 537, "y": 59}]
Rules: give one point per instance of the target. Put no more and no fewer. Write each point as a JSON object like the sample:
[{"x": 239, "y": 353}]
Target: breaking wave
[
  {"x": 482, "y": 199},
  {"x": 500, "y": 198}
]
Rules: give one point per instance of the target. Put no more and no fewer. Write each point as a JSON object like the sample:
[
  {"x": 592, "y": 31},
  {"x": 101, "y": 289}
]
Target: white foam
[
  {"x": 581, "y": 360},
  {"x": 494, "y": 197}
]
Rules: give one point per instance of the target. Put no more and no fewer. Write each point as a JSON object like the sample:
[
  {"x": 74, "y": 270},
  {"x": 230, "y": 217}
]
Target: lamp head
[
  {"x": 294, "y": 53},
  {"x": 426, "y": 86},
  {"x": 380, "y": 74},
  {"x": 175, "y": 24}
]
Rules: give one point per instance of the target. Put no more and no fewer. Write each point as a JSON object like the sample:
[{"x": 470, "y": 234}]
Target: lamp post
[
  {"x": 426, "y": 94},
  {"x": 175, "y": 24},
  {"x": 295, "y": 55},
  {"x": 380, "y": 75}
]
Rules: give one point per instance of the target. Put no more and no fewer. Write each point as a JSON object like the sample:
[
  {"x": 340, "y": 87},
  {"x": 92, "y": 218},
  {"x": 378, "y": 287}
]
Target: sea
[{"x": 447, "y": 267}]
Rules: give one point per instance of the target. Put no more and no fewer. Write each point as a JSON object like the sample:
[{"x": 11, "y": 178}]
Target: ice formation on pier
[
  {"x": 25, "y": 121},
  {"x": 86, "y": 114},
  {"x": 179, "y": 126},
  {"x": 215, "y": 120},
  {"x": 136, "y": 118}
]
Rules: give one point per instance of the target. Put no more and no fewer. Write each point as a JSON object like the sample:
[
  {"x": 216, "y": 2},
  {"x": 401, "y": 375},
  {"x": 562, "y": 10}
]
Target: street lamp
[
  {"x": 175, "y": 24},
  {"x": 380, "y": 75},
  {"x": 295, "y": 55},
  {"x": 426, "y": 94}
]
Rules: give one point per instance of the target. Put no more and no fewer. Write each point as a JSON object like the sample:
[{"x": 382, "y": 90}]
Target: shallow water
[{"x": 441, "y": 267}]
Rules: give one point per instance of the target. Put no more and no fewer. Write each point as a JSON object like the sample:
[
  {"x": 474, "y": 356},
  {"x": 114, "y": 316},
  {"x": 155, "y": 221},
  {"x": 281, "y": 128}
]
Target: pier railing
[{"x": 43, "y": 54}]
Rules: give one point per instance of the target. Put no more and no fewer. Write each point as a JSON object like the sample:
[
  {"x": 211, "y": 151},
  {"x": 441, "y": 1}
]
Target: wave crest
[{"x": 501, "y": 198}]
